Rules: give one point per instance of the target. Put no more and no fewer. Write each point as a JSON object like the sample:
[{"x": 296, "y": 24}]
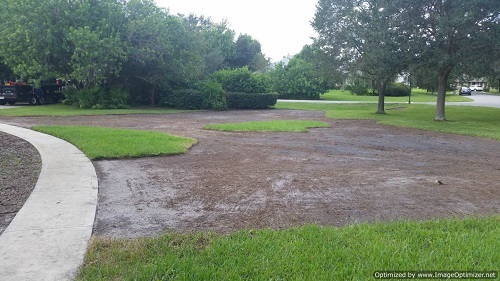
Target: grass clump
[
  {"x": 108, "y": 143},
  {"x": 268, "y": 126},
  {"x": 307, "y": 253},
  {"x": 68, "y": 110}
]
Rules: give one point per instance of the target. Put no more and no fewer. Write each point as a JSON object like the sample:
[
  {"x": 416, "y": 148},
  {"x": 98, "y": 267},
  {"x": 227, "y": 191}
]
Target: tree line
[
  {"x": 132, "y": 45},
  {"x": 430, "y": 39}
]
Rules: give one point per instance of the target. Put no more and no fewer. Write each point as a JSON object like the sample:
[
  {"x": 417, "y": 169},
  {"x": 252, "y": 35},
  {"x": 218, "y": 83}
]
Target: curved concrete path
[{"x": 48, "y": 237}]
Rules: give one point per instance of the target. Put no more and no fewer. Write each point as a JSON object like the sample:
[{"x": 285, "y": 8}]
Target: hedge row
[
  {"x": 392, "y": 90},
  {"x": 250, "y": 101},
  {"x": 397, "y": 90},
  {"x": 194, "y": 99}
]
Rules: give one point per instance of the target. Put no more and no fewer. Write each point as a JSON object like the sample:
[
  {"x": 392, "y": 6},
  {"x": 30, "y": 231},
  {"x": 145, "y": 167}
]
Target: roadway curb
[{"x": 48, "y": 237}]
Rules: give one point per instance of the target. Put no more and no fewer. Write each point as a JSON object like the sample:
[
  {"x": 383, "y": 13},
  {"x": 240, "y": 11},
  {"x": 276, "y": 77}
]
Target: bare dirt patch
[
  {"x": 20, "y": 166},
  {"x": 355, "y": 171}
]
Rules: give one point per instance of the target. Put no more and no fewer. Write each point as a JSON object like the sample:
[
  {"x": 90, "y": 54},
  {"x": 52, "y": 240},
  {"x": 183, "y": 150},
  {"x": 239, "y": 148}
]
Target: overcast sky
[{"x": 281, "y": 26}]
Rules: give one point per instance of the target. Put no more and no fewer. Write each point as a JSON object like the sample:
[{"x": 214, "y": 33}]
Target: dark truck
[{"x": 12, "y": 92}]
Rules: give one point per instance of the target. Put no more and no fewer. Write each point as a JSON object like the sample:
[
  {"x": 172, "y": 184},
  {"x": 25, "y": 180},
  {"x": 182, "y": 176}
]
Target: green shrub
[
  {"x": 397, "y": 90},
  {"x": 298, "y": 79},
  {"x": 208, "y": 96},
  {"x": 185, "y": 99},
  {"x": 250, "y": 100},
  {"x": 97, "y": 98},
  {"x": 359, "y": 89},
  {"x": 242, "y": 80},
  {"x": 213, "y": 95}
]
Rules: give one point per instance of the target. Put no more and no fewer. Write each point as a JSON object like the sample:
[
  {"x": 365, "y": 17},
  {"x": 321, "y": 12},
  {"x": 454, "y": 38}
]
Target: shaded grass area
[
  {"x": 307, "y": 253},
  {"x": 268, "y": 126},
  {"x": 108, "y": 143},
  {"x": 67, "y": 110},
  {"x": 417, "y": 95},
  {"x": 465, "y": 120}
]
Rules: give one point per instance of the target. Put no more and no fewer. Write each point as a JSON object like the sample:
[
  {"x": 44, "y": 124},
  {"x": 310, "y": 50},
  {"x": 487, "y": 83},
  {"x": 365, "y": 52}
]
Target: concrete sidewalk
[{"x": 48, "y": 237}]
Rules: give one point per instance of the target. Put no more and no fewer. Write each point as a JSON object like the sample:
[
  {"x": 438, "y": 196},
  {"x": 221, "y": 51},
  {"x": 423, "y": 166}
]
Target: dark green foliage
[
  {"x": 242, "y": 80},
  {"x": 97, "y": 98},
  {"x": 250, "y": 100},
  {"x": 298, "y": 80},
  {"x": 213, "y": 95},
  {"x": 248, "y": 53},
  {"x": 208, "y": 96},
  {"x": 185, "y": 99},
  {"x": 397, "y": 90},
  {"x": 114, "y": 43},
  {"x": 358, "y": 89}
]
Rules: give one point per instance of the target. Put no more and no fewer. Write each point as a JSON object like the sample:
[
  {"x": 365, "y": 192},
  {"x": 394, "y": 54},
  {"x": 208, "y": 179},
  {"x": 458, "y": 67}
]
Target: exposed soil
[
  {"x": 20, "y": 166},
  {"x": 355, "y": 171}
]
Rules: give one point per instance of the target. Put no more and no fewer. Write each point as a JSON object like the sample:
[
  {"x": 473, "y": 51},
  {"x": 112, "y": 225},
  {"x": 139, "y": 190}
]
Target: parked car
[
  {"x": 465, "y": 91},
  {"x": 12, "y": 92},
  {"x": 478, "y": 88}
]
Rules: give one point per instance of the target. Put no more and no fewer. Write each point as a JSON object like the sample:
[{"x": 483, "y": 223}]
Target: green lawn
[
  {"x": 108, "y": 143},
  {"x": 268, "y": 126},
  {"x": 67, "y": 110},
  {"x": 466, "y": 120},
  {"x": 307, "y": 253},
  {"x": 417, "y": 95}
]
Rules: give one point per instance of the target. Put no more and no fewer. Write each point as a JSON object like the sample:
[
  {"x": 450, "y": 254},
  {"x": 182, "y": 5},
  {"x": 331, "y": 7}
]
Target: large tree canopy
[
  {"x": 457, "y": 34},
  {"x": 111, "y": 43},
  {"x": 380, "y": 38},
  {"x": 372, "y": 37}
]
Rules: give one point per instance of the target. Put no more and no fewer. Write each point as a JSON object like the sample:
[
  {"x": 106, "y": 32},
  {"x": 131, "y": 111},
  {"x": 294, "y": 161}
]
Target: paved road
[{"x": 480, "y": 99}]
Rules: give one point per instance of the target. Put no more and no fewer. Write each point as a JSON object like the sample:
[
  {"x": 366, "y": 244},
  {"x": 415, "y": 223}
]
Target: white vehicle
[{"x": 478, "y": 88}]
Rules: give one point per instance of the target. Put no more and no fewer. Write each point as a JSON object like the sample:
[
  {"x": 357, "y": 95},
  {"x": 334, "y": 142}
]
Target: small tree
[{"x": 298, "y": 79}]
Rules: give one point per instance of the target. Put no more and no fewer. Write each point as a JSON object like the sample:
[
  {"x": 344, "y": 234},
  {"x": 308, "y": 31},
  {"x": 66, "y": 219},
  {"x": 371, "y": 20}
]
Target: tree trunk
[
  {"x": 381, "y": 96},
  {"x": 153, "y": 96},
  {"x": 444, "y": 73}
]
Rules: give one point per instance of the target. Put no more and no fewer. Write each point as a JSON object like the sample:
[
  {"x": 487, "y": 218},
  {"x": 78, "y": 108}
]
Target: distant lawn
[
  {"x": 353, "y": 252},
  {"x": 268, "y": 126},
  {"x": 465, "y": 120},
  {"x": 108, "y": 143},
  {"x": 417, "y": 95},
  {"x": 67, "y": 110}
]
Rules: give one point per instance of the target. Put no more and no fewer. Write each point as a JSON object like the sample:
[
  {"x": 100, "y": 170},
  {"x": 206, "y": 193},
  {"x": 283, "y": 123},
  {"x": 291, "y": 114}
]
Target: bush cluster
[
  {"x": 209, "y": 95},
  {"x": 397, "y": 90},
  {"x": 97, "y": 98},
  {"x": 359, "y": 89},
  {"x": 298, "y": 80},
  {"x": 184, "y": 99},
  {"x": 242, "y": 80},
  {"x": 213, "y": 95},
  {"x": 233, "y": 89},
  {"x": 250, "y": 100},
  {"x": 196, "y": 99}
]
